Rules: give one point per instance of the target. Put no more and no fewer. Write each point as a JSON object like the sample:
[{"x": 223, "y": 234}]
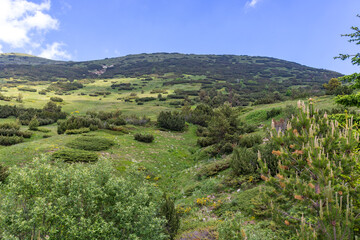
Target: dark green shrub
[
  {"x": 243, "y": 161},
  {"x": 77, "y": 131},
  {"x": 227, "y": 148},
  {"x": 147, "y": 138},
  {"x": 213, "y": 168},
  {"x": 26, "y": 89},
  {"x": 34, "y": 124},
  {"x": 3, "y": 173},
  {"x": 72, "y": 155},
  {"x": 171, "y": 121},
  {"x": 90, "y": 143},
  {"x": 46, "y": 136},
  {"x": 10, "y": 140},
  {"x": 172, "y": 217},
  {"x": 205, "y": 141},
  {"x": 76, "y": 122},
  {"x": 250, "y": 140},
  {"x": 273, "y": 113},
  {"x": 42, "y": 92},
  {"x": 26, "y": 134},
  {"x": 10, "y": 126},
  {"x": 56, "y": 99}
]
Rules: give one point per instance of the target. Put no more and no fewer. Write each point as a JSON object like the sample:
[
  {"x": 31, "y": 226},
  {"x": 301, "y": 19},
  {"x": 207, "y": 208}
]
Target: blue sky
[{"x": 303, "y": 31}]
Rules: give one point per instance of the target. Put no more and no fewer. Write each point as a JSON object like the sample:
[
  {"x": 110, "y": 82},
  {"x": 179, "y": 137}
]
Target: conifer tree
[{"x": 314, "y": 185}]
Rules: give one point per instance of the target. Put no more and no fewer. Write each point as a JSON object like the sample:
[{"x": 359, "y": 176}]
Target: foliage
[
  {"x": 77, "y": 122},
  {"x": 147, "y": 138},
  {"x": 243, "y": 161},
  {"x": 316, "y": 160},
  {"x": 236, "y": 228},
  {"x": 56, "y": 99},
  {"x": 200, "y": 115},
  {"x": 34, "y": 124},
  {"x": 167, "y": 209},
  {"x": 49, "y": 114},
  {"x": 72, "y": 155},
  {"x": 77, "y": 131},
  {"x": 171, "y": 121},
  {"x": 250, "y": 140},
  {"x": 213, "y": 169},
  {"x": 90, "y": 143},
  {"x": 43, "y": 201}
]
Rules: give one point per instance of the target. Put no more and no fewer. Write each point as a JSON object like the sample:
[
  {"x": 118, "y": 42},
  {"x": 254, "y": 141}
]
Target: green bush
[
  {"x": 77, "y": 202},
  {"x": 90, "y": 143},
  {"x": 205, "y": 141},
  {"x": 56, "y": 99},
  {"x": 10, "y": 140},
  {"x": 250, "y": 140},
  {"x": 147, "y": 138},
  {"x": 77, "y": 131},
  {"x": 213, "y": 169},
  {"x": 34, "y": 123},
  {"x": 72, "y": 155},
  {"x": 243, "y": 161},
  {"x": 4, "y": 173},
  {"x": 172, "y": 217},
  {"x": 171, "y": 121}
]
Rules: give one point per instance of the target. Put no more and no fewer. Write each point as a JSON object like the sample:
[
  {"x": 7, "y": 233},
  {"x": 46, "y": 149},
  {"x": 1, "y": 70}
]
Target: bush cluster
[
  {"x": 10, "y": 134},
  {"x": 171, "y": 121},
  {"x": 56, "y": 99},
  {"x": 147, "y": 138},
  {"x": 77, "y": 131},
  {"x": 72, "y": 155},
  {"x": 48, "y": 115},
  {"x": 90, "y": 143}
]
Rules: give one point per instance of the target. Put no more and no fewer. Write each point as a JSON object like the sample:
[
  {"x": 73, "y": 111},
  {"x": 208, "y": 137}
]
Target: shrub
[
  {"x": 213, "y": 168},
  {"x": 10, "y": 140},
  {"x": 34, "y": 123},
  {"x": 4, "y": 173},
  {"x": 42, "y": 92},
  {"x": 71, "y": 155},
  {"x": 205, "y": 141},
  {"x": 243, "y": 161},
  {"x": 77, "y": 202},
  {"x": 172, "y": 217},
  {"x": 273, "y": 113},
  {"x": 171, "y": 120},
  {"x": 56, "y": 99},
  {"x": 90, "y": 143},
  {"x": 77, "y": 131},
  {"x": 147, "y": 138},
  {"x": 250, "y": 140}
]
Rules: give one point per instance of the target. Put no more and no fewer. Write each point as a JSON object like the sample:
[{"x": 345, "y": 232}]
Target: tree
[
  {"x": 316, "y": 176},
  {"x": 34, "y": 124},
  {"x": 351, "y": 99},
  {"x": 332, "y": 85}
]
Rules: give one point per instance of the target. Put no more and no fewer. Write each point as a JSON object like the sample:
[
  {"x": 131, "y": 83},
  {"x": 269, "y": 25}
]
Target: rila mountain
[{"x": 177, "y": 146}]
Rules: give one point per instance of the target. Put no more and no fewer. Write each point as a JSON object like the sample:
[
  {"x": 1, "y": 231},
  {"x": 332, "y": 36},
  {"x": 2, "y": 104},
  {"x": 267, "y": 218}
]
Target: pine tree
[
  {"x": 314, "y": 185},
  {"x": 172, "y": 217}
]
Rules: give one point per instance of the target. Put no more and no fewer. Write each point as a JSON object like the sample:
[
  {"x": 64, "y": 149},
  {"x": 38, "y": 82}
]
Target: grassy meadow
[{"x": 171, "y": 162}]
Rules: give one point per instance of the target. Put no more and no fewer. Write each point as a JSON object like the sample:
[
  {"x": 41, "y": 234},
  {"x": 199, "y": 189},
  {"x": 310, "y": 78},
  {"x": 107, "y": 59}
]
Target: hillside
[
  {"x": 250, "y": 78},
  {"x": 24, "y": 59}
]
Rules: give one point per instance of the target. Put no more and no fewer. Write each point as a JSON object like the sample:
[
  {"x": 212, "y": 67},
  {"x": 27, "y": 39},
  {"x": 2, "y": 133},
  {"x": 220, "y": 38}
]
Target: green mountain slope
[
  {"x": 24, "y": 59},
  {"x": 250, "y": 77}
]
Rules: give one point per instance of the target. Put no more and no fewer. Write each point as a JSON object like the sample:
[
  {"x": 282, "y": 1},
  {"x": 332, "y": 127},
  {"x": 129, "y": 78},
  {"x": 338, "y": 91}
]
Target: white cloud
[
  {"x": 55, "y": 51},
  {"x": 22, "y": 23},
  {"x": 252, "y": 3}
]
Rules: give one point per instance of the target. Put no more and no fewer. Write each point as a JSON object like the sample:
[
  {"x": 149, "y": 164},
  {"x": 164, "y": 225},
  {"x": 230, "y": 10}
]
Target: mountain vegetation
[{"x": 176, "y": 146}]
